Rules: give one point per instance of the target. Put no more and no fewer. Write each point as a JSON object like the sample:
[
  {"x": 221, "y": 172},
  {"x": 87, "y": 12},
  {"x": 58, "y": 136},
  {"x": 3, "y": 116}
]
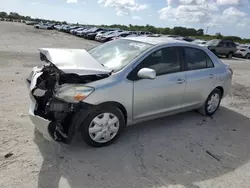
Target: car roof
[{"x": 156, "y": 40}]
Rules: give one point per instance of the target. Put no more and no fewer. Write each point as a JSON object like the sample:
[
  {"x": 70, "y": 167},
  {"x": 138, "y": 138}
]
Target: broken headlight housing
[{"x": 74, "y": 93}]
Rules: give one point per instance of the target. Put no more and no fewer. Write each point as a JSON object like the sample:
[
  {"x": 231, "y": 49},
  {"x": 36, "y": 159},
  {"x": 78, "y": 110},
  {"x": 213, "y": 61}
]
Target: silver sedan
[{"x": 101, "y": 91}]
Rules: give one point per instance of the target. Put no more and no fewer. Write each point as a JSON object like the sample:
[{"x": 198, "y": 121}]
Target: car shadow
[{"x": 180, "y": 149}]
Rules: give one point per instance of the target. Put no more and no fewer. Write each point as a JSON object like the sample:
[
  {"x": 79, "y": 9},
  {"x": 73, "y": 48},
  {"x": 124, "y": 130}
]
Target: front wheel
[
  {"x": 103, "y": 127},
  {"x": 212, "y": 103}
]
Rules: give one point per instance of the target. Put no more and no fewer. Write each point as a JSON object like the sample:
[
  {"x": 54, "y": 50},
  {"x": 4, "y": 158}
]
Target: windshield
[
  {"x": 117, "y": 54},
  {"x": 213, "y": 42}
]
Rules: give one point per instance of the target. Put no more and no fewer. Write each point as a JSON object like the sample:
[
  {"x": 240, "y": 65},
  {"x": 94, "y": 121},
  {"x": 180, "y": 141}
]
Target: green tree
[
  {"x": 234, "y": 38},
  {"x": 3, "y": 15},
  {"x": 218, "y": 35},
  {"x": 200, "y": 32},
  {"x": 14, "y": 15}
]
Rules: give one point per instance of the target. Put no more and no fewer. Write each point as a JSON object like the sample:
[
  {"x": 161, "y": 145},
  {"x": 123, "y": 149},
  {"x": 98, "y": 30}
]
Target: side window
[
  {"x": 221, "y": 44},
  {"x": 163, "y": 61},
  {"x": 197, "y": 59},
  {"x": 233, "y": 44},
  {"x": 230, "y": 44},
  {"x": 210, "y": 64}
]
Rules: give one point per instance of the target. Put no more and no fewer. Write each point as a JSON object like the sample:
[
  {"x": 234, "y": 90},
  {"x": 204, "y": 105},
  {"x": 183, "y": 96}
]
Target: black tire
[
  {"x": 230, "y": 55},
  {"x": 247, "y": 56},
  {"x": 106, "y": 109},
  {"x": 204, "y": 109}
]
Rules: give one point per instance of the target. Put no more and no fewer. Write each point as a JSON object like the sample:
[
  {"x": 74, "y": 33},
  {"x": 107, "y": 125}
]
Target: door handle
[
  {"x": 211, "y": 76},
  {"x": 180, "y": 81}
]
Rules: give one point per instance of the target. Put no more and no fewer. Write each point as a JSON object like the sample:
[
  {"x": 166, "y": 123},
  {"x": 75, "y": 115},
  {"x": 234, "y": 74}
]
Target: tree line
[{"x": 182, "y": 31}]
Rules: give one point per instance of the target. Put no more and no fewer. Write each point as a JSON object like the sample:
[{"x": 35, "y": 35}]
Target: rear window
[{"x": 197, "y": 59}]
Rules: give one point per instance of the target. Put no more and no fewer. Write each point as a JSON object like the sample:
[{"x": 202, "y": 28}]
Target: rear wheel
[
  {"x": 212, "y": 103},
  {"x": 103, "y": 126},
  {"x": 230, "y": 55}
]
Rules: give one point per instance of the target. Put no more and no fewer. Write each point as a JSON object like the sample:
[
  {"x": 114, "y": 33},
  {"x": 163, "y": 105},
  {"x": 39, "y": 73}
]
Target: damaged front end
[{"x": 52, "y": 115}]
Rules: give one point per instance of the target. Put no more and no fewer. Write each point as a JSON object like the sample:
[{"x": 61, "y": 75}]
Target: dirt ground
[{"x": 169, "y": 152}]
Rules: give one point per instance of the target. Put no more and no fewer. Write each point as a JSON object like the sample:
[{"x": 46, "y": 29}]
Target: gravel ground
[{"x": 169, "y": 152}]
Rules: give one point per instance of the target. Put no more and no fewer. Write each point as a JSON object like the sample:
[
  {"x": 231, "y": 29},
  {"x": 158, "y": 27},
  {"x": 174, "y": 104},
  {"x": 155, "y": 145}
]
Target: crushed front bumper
[
  {"x": 51, "y": 116},
  {"x": 41, "y": 124}
]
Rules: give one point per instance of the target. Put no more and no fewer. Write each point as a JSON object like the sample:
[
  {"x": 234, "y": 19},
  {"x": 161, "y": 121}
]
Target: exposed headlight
[{"x": 74, "y": 93}]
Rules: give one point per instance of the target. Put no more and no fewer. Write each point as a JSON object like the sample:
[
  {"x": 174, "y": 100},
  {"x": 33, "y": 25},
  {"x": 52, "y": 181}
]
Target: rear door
[
  {"x": 200, "y": 75},
  {"x": 221, "y": 48}
]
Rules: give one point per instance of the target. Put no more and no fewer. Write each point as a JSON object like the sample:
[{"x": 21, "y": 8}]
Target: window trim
[
  {"x": 132, "y": 75},
  {"x": 186, "y": 64}
]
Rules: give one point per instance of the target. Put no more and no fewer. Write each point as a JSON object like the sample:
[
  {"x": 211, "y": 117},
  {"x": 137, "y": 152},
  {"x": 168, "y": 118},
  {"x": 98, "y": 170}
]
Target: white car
[
  {"x": 43, "y": 26},
  {"x": 199, "y": 42},
  {"x": 243, "y": 51},
  {"x": 120, "y": 83}
]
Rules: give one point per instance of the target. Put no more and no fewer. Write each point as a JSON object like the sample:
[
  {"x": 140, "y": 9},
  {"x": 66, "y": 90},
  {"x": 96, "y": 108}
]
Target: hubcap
[
  {"x": 213, "y": 103},
  {"x": 104, "y": 127}
]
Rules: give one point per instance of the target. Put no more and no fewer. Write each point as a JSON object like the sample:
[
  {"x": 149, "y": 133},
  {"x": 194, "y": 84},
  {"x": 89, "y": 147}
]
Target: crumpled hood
[{"x": 77, "y": 61}]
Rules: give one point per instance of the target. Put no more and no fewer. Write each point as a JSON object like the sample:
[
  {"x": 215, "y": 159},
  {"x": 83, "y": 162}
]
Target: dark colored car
[
  {"x": 67, "y": 30},
  {"x": 91, "y": 36},
  {"x": 93, "y": 30},
  {"x": 222, "y": 47}
]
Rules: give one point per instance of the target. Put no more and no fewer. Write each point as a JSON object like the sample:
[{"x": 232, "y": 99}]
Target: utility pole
[{"x": 207, "y": 30}]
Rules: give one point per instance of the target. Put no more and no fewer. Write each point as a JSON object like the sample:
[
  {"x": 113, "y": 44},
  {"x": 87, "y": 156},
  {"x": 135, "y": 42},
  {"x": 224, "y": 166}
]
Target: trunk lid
[{"x": 77, "y": 61}]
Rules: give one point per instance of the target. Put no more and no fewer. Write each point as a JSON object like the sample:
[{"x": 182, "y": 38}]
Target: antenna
[{"x": 207, "y": 30}]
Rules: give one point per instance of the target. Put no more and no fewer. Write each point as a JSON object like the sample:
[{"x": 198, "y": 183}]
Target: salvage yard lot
[{"x": 169, "y": 152}]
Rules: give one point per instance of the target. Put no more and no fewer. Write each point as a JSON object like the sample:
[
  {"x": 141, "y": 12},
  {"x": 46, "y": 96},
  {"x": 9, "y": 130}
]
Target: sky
[{"x": 229, "y": 17}]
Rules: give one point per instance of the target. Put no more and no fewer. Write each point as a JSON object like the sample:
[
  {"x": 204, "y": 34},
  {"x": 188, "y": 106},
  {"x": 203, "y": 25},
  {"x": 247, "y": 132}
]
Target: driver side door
[{"x": 155, "y": 97}]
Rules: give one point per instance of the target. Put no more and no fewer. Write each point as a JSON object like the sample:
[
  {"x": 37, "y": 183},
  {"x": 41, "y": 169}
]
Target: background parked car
[
  {"x": 109, "y": 37},
  {"x": 199, "y": 42},
  {"x": 171, "y": 36},
  {"x": 68, "y": 29},
  {"x": 59, "y": 27},
  {"x": 81, "y": 31},
  {"x": 87, "y": 30},
  {"x": 31, "y": 22},
  {"x": 143, "y": 33},
  {"x": 122, "y": 34},
  {"x": 243, "y": 51},
  {"x": 91, "y": 36},
  {"x": 73, "y": 31},
  {"x": 91, "y": 31},
  {"x": 44, "y": 26},
  {"x": 222, "y": 47},
  {"x": 100, "y": 35}
]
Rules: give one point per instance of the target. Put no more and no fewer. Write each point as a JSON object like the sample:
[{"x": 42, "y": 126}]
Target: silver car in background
[{"x": 123, "y": 82}]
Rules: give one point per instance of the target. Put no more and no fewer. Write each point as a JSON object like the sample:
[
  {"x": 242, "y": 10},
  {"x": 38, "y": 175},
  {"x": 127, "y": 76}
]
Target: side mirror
[{"x": 147, "y": 73}]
